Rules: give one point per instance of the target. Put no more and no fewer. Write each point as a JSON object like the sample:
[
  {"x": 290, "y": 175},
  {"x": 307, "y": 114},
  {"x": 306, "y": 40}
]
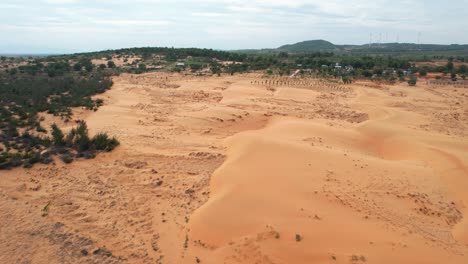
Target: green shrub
[
  {"x": 110, "y": 64},
  {"x": 69, "y": 138},
  {"x": 101, "y": 141},
  {"x": 66, "y": 158},
  {"x": 298, "y": 238},
  {"x": 81, "y": 140},
  {"x": 57, "y": 135},
  {"x": 27, "y": 165},
  {"x": 99, "y": 102},
  {"x": 412, "y": 81}
]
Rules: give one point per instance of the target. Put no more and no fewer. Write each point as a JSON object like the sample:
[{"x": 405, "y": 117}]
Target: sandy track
[{"x": 221, "y": 170}]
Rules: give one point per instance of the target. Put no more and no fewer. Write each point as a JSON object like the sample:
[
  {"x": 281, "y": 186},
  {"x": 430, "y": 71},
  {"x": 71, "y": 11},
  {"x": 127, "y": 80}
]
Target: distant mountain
[
  {"x": 367, "y": 49},
  {"x": 308, "y": 46}
]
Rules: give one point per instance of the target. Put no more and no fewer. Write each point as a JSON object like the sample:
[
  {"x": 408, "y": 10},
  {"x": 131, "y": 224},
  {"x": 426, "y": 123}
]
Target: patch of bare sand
[
  {"x": 379, "y": 192},
  {"x": 300, "y": 160}
]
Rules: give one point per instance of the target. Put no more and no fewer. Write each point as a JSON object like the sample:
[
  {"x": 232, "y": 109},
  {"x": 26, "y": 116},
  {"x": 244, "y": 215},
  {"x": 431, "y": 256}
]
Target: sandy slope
[
  {"x": 377, "y": 192},
  {"x": 229, "y": 170}
]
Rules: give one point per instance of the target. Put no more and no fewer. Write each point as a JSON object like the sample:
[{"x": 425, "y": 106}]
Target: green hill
[
  {"x": 395, "y": 49},
  {"x": 308, "y": 46}
]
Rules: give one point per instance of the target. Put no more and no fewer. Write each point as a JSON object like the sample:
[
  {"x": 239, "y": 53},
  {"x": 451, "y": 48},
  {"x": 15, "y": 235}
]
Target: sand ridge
[{"x": 227, "y": 170}]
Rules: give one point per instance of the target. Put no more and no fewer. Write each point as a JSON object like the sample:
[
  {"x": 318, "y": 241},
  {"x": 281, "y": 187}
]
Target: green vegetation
[
  {"x": 29, "y": 149},
  {"x": 45, "y": 210},
  {"x": 53, "y": 86},
  {"x": 298, "y": 238},
  {"x": 111, "y": 64},
  {"x": 387, "y": 62},
  {"x": 412, "y": 81},
  {"x": 308, "y": 46},
  {"x": 378, "y": 49}
]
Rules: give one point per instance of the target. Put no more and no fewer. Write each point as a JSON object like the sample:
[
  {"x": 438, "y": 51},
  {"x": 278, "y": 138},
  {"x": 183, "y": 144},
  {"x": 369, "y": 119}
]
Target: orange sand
[{"x": 226, "y": 170}]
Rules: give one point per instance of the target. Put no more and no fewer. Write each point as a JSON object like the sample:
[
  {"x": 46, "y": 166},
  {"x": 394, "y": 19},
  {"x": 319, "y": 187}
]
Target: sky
[{"x": 66, "y": 26}]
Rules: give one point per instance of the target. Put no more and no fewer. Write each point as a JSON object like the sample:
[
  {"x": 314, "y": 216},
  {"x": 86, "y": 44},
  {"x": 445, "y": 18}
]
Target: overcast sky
[{"x": 57, "y": 26}]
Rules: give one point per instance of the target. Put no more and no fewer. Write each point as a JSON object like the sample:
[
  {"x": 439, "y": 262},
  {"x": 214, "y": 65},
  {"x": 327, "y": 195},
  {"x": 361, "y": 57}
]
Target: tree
[
  {"x": 463, "y": 69},
  {"x": 215, "y": 69},
  {"x": 400, "y": 73},
  {"x": 13, "y": 71},
  {"x": 450, "y": 66},
  {"x": 378, "y": 71},
  {"x": 283, "y": 54},
  {"x": 196, "y": 66},
  {"x": 89, "y": 67},
  {"x": 110, "y": 64},
  {"x": 367, "y": 74},
  {"x": 453, "y": 75},
  {"x": 81, "y": 139},
  {"x": 102, "y": 66},
  {"x": 77, "y": 67},
  {"x": 346, "y": 79},
  {"x": 412, "y": 81},
  {"x": 102, "y": 142},
  {"x": 57, "y": 135}
]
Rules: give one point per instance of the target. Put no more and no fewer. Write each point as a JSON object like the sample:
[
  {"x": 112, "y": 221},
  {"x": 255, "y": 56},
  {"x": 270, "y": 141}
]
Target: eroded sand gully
[{"x": 221, "y": 170}]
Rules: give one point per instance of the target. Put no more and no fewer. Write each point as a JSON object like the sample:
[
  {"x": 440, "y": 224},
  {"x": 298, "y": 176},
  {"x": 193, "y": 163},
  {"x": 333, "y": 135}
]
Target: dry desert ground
[{"x": 232, "y": 170}]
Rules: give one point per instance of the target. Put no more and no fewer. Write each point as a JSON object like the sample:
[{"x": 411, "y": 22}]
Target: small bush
[
  {"x": 99, "y": 102},
  {"x": 66, "y": 158},
  {"x": 45, "y": 159},
  {"x": 57, "y": 135},
  {"x": 40, "y": 129},
  {"x": 412, "y": 82},
  {"x": 101, "y": 141},
  {"x": 298, "y": 238}
]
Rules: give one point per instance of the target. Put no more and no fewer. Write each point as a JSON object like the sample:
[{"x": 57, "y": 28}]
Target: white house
[{"x": 337, "y": 66}]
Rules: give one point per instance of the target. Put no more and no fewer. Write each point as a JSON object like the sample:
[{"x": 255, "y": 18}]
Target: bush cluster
[
  {"x": 29, "y": 149},
  {"x": 23, "y": 141}
]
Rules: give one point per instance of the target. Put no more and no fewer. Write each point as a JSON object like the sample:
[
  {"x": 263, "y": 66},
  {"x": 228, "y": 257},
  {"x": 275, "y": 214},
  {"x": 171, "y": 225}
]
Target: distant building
[
  {"x": 180, "y": 64},
  {"x": 338, "y": 66}
]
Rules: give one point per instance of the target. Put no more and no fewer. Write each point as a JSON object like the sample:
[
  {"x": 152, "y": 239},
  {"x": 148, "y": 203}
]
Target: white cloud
[
  {"x": 208, "y": 14},
  {"x": 129, "y": 23},
  {"x": 61, "y": 2},
  {"x": 224, "y": 23}
]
